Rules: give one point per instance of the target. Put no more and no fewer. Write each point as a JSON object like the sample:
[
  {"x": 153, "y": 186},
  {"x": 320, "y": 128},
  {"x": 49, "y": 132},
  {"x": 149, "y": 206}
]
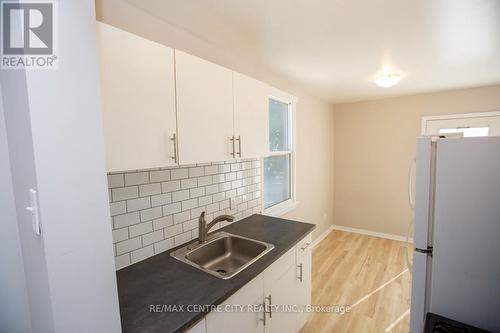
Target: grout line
[{"x": 394, "y": 323}]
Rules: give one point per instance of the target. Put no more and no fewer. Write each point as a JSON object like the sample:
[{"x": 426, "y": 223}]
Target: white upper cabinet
[
  {"x": 204, "y": 110},
  {"x": 251, "y": 116},
  {"x": 138, "y": 100}
]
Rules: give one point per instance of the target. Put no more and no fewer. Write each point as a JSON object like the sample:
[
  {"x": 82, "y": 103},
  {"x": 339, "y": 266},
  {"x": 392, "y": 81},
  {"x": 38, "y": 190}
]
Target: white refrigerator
[{"x": 456, "y": 262}]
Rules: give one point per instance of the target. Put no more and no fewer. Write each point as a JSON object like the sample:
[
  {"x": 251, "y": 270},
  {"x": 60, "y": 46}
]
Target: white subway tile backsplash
[
  {"x": 116, "y": 208},
  {"x": 211, "y": 170},
  {"x": 152, "y": 237},
  {"x": 155, "y": 210},
  {"x": 181, "y": 217},
  {"x": 141, "y": 254},
  {"x": 161, "y": 199},
  {"x": 182, "y": 238},
  {"x": 116, "y": 181},
  {"x": 149, "y": 189},
  {"x": 124, "y": 220},
  {"x": 159, "y": 176},
  {"x": 189, "y": 204},
  {"x": 172, "y": 208},
  {"x": 197, "y": 192},
  {"x": 189, "y": 183},
  {"x": 171, "y": 186},
  {"x": 173, "y": 230},
  {"x": 140, "y": 229},
  {"x": 128, "y": 245},
  {"x": 196, "y": 172},
  {"x": 120, "y": 235},
  {"x": 179, "y": 173},
  {"x": 180, "y": 195},
  {"x": 151, "y": 213},
  {"x": 164, "y": 245},
  {"x": 163, "y": 222},
  {"x": 136, "y": 178},
  {"x": 122, "y": 261},
  {"x": 138, "y": 204},
  {"x": 124, "y": 193}
]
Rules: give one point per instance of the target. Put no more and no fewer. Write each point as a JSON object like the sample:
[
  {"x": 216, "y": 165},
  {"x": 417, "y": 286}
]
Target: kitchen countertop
[{"x": 163, "y": 280}]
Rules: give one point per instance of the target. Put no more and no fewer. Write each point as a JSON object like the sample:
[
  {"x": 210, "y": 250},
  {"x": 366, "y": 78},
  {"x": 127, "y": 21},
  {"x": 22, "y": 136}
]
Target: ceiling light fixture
[{"x": 388, "y": 80}]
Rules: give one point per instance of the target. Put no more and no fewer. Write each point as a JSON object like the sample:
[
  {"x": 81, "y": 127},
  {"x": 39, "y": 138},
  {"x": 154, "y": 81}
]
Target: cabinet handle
[
  {"x": 233, "y": 154},
  {"x": 239, "y": 145},
  {"x": 300, "y": 276},
  {"x": 174, "y": 140},
  {"x": 303, "y": 248},
  {"x": 263, "y": 319},
  {"x": 270, "y": 312}
]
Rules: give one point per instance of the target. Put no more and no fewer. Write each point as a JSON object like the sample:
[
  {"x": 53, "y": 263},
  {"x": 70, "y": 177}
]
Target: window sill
[{"x": 281, "y": 208}]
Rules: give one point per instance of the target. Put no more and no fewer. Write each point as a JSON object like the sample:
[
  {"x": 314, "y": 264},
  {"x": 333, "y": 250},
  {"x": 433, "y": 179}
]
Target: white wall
[
  {"x": 14, "y": 308},
  {"x": 55, "y": 138},
  {"x": 374, "y": 144}
]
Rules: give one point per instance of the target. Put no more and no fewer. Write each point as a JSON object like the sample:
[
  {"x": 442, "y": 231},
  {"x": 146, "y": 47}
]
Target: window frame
[{"x": 286, "y": 206}]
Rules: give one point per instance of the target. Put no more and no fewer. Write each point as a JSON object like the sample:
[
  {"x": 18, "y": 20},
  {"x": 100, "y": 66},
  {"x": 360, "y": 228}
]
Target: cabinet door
[
  {"x": 240, "y": 321},
  {"x": 204, "y": 110},
  {"x": 251, "y": 116},
  {"x": 281, "y": 294},
  {"x": 303, "y": 282},
  {"x": 138, "y": 100}
]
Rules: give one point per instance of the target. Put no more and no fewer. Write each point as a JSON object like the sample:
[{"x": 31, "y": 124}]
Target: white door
[
  {"x": 138, "y": 100},
  {"x": 251, "y": 116},
  {"x": 483, "y": 124},
  {"x": 204, "y": 110}
]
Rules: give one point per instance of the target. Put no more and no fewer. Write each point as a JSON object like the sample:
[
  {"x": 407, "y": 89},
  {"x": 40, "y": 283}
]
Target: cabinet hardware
[
  {"x": 239, "y": 145},
  {"x": 263, "y": 319},
  {"x": 270, "y": 312},
  {"x": 174, "y": 140},
  {"x": 233, "y": 153},
  {"x": 303, "y": 248},
  {"x": 300, "y": 270}
]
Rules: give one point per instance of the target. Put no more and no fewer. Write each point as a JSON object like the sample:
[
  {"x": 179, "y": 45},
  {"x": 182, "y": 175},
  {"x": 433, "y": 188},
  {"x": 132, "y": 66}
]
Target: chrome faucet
[{"x": 203, "y": 227}]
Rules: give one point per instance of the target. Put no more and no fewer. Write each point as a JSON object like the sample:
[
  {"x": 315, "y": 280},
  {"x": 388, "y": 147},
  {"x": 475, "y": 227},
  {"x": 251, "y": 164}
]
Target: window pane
[
  {"x": 278, "y": 126},
  {"x": 276, "y": 180},
  {"x": 467, "y": 131}
]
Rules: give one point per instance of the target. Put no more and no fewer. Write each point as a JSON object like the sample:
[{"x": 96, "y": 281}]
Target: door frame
[{"x": 425, "y": 119}]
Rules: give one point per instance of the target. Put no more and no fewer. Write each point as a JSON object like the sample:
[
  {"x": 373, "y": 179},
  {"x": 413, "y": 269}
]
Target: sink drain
[{"x": 221, "y": 271}]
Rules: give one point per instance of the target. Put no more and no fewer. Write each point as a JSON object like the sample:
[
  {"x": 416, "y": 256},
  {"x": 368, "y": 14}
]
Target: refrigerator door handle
[{"x": 428, "y": 251}]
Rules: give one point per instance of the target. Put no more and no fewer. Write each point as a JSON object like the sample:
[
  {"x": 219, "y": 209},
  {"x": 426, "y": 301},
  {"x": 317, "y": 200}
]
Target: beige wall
[
  {"x": 314, "y": 117},
  {"x": 374, "y": 143}
]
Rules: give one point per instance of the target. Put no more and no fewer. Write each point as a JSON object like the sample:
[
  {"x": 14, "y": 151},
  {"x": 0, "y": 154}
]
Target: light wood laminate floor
[{"x": 367, "y": 273}]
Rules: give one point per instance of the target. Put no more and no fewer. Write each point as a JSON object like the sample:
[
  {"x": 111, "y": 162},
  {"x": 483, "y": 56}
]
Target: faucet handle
[{"x": 202, "y": 217}]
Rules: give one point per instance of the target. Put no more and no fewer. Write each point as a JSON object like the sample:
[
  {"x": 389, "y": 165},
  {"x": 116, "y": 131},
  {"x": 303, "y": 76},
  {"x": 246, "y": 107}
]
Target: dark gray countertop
[{"x": 162, "y": 279}]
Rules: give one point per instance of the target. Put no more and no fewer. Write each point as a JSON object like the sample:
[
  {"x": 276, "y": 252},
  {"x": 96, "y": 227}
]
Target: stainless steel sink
[{"x": 223, "y": 255}]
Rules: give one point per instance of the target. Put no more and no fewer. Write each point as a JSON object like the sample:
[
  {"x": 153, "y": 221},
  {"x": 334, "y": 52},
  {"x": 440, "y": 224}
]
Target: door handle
[
  {"x": 301, "y": 271},
  {"x": 233, "y": 153},
  {"x": 239, "y": 145},
  {"x": 270, "y": 312},
  {"x": 263, "y": 319},
  {"x": 174, "y": 140},
  {"x": 303, "y": 248}
]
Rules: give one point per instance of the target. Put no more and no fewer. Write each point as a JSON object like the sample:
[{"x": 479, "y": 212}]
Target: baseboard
[
  {"x": 323, "y": 235},
  {"x": 371, "y": 233}
]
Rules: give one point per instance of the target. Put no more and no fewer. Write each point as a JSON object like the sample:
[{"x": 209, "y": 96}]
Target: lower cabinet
[
  {"x": 199, "y": 327},
  {"x": 276, "y": 297},
  {"x": 236, "y": 316}
]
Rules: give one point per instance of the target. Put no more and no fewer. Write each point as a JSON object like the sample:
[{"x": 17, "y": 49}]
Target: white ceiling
[{"x": 336, "y": 48}]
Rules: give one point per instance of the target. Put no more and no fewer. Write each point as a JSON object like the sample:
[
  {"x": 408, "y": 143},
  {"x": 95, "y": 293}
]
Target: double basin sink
[{"x": 223, "y": 254}]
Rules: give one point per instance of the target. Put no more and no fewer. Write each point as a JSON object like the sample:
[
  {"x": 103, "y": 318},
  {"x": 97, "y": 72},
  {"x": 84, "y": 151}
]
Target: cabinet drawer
[
  {"x": 304, "y": 245},
  {"x": 279, "y": 267}
]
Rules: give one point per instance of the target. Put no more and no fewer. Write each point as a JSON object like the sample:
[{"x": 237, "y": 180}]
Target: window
[
  {"x": 278, "y": 165},
  {"x": 469, "y": 124}
]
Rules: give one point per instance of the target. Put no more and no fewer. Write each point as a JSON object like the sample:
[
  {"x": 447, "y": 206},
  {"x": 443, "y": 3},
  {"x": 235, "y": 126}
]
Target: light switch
[{"x": 33, "y": 209}]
